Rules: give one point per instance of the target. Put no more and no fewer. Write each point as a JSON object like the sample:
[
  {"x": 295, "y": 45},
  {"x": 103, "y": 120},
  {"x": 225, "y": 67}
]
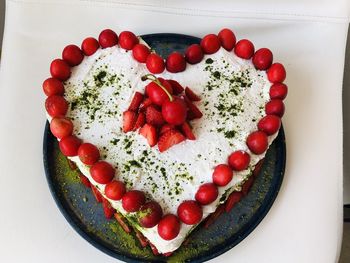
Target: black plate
[{"x": 86, "y": 216}]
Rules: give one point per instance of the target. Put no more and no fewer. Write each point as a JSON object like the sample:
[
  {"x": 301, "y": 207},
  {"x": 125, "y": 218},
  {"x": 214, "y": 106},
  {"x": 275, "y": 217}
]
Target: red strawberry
[
  {"x": 154, "y": 249},
  {"x": 129, "y": 119},
  {"x": 233, "y": 199},
  {"x": 136, "y": 101},
  {"x": 247, "y": 185},
  {"x": 177, "y": 88},
  {"x": 143, "y": 241},
  {"x": 193, "y": 111},
  {"x": 122, "y": 223},
  {"x": 153, "y": 116},
  {"x": 191, "y": 95},
  {"x": 84, "y": 180},
  {"x": 167, "y": 85},
  {"x": 147, "y": 102},
  {"x": 150, "y": 133},
  {"x": 107, "y": 209},
  {"x": 187, "y": 131},
  {"x": 96, "y": 193},
  {"x": 140, "y": 121},
  {"x": 169, "y": 139},
  {"x": 166, "y": 127},
  {"x": 212, "y": 217}
]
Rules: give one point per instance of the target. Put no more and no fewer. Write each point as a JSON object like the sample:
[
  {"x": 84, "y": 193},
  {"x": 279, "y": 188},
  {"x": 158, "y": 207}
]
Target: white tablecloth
[{"x": 305, "y": 222}]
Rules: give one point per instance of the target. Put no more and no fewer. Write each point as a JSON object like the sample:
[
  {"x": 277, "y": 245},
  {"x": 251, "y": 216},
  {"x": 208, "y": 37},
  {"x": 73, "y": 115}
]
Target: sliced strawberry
[
  {"x": 154, "y": 117},
  {"x": 177, "y": 88},
  {"x": 84, "y": 180},
  {"x": 146, "y": 103},
  {"x": 187, "y": 131},
  {"x": 233, "y": 199},
  {"x": 150, "y": 133},
  {"x": 167, "y": 254},
  {"x": 166, "y": 127},
  {"x": 107, "y": 209},
  {"x": 129, "y": 119},
  {"x": 167, "y": 85},
  {"x": 169, "y": 139},
  {"x": 141, "y": 238},
  {"x": 71, "y": 164},
  {"x": 258, "y": 167},
  {"x": 154, "y": 249},
  {"x": 212, "y": 218},
  {"x": 136, "y": 101},
  {"x": 122, "y": 223},
  {"x": 193, "y": 111},
  {"x": 96, "y": 193},
  {"x": 140, "y": 121},
  {"x": 247, "y": 185},
  {"x": 191, "y": 95}
]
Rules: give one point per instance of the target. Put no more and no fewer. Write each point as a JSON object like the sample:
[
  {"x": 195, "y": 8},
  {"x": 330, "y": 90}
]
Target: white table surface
[{"x": 305, "y": 222}]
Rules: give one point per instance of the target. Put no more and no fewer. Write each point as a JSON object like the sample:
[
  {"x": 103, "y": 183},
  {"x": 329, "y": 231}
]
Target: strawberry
[
  {"x": 107, "y": 209},
  {"x": 247, "y": 185},
  {"x": 129, "y": 118},
  {"x": 177, "y": 88},
  {"x": 154, "y": 249},
  {"x": 169, "y": 139},
  {"x": 150, "y": 133},
  {"x": 122, "y": 223},
  {"x": 193, "y": 111},
  {"x": 191, "y": 95},
  {"x": 140, "y": 121},
  {"x": 167, "y": 85},
  {"x": 233, "y": 199},
  {"x": 136, "y": 101},
  {"x": 84, "y": 180},
  {"x": 71, "y": 164},
  {"x": 187, "y": 131},
  {"x": 166, "y": 127},
  {"x": 147, "y": 102},
  {"x": 143, "y": 241},
  {"x": 153, "y": 116},
  {"x": 96, "y": 193},
  {"x": 167, "y": 254},
  {"x": 212, "y": 218}
]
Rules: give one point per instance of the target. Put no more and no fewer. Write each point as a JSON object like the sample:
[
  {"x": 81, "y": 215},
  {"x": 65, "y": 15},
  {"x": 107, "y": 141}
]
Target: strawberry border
[{"x": 275, "y": 73}]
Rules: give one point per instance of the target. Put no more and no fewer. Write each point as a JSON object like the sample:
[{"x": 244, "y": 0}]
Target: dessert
[{"x": 164, "y": 144}]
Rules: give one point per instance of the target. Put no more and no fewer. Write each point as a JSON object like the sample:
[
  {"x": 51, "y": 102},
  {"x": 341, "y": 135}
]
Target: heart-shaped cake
[{"x": 165, "y": 144}]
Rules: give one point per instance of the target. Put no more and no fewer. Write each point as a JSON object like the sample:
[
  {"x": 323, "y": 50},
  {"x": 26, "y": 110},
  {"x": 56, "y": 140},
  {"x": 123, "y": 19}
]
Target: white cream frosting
[{"x": 107, "y": 82}]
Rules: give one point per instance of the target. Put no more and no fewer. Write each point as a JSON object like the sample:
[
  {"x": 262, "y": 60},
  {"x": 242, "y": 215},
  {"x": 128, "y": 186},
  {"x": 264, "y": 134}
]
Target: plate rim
[{"x": 254, "y": 221}]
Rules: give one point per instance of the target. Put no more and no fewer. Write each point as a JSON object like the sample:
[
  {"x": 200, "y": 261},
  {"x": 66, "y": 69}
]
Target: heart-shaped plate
[{"x": 86, "y": 216}]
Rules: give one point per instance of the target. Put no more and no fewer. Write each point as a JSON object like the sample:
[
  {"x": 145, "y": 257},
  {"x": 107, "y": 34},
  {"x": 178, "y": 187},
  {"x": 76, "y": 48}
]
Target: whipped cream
[{"x": 233, "y": 95}]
